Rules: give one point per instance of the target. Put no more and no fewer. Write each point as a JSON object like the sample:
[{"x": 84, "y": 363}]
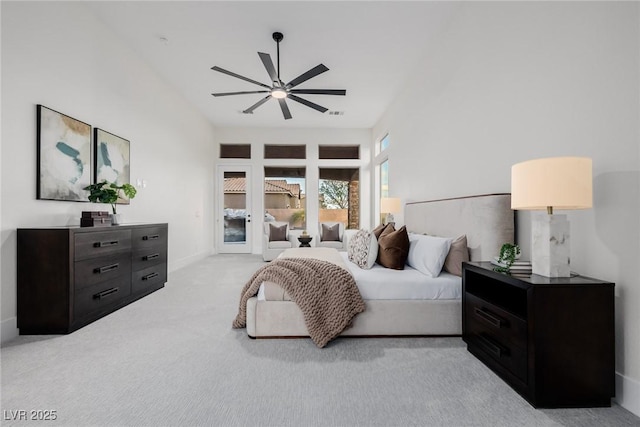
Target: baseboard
[
  {"x": 181, "y": 263},
  {"x": 8, "y": 330},
  {"x": 628, "y": 393}
]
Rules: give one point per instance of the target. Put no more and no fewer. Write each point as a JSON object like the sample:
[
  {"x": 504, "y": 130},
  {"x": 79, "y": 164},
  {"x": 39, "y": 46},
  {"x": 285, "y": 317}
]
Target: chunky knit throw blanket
[{"x": 326, "y": 294}]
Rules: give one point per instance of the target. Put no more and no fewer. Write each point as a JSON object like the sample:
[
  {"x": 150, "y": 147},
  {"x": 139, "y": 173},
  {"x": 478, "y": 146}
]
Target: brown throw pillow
[
  {"x": 277, "y": 233},
  {"x": 379, "y": 229},
  {"x": 458, "y": 253},
  {"x": 378, "y": 232},
  {"x": 330, "y": 233},
  {"x": 393, "y": 248}
]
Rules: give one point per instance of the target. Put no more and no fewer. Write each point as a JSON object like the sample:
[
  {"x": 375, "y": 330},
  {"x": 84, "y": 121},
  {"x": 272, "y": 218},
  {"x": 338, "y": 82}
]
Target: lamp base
[
  {"x": 551, "y": 245},
  {"x": 390, "y": 219}
]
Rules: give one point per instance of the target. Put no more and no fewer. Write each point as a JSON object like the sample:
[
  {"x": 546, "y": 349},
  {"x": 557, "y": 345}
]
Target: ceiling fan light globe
[{"x": 279, "y": 93}]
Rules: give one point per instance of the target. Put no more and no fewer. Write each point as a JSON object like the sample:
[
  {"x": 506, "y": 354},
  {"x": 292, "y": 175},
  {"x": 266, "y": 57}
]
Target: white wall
[
  {"x": 515, "y": 81},
  {"x": 312, "y": 138},
  {"x": 59, "y": 55}
]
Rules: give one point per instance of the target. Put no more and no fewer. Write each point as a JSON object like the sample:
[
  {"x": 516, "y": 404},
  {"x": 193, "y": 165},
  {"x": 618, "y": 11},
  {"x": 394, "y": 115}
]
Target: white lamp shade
[
  {"x": 557, "y": 182},
  {"x": 390, "y": 205}
]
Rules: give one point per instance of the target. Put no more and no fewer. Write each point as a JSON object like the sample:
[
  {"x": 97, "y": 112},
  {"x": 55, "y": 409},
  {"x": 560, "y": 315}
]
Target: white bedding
[{"x": 380, "y": 283}]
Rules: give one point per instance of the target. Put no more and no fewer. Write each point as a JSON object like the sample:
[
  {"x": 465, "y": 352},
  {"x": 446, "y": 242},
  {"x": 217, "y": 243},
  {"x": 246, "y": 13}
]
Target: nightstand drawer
[
  {"x": 513, "y": 358},
  {"x": 91, "y": 245},
  {"x": 495, "y": 321}
]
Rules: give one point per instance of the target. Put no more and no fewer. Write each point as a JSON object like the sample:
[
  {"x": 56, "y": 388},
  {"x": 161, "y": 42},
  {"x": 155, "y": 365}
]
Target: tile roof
[{"x": 238, "y": 185}]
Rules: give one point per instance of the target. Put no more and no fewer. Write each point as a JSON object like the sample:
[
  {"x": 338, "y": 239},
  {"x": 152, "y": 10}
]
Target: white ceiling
[{"x": 369, "y": 48}]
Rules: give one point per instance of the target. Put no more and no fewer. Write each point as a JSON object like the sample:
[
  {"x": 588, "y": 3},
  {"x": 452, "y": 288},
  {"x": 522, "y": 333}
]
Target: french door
[{"x": 233, "y": 213}]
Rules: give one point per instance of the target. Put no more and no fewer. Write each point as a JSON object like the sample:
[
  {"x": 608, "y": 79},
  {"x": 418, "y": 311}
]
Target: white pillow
[
  {"x": 362, "y": 249},
  {"x": 427, "y": 253}
]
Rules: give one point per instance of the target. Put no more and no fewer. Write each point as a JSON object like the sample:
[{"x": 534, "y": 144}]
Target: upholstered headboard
[{"x": 487, "y": 220}]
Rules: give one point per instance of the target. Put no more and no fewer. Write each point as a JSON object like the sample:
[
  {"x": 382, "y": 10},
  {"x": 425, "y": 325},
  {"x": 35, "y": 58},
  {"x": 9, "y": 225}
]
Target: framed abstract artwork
[
  {"x": 112, "y": 161},
  {"x": 64, "y": 156}
]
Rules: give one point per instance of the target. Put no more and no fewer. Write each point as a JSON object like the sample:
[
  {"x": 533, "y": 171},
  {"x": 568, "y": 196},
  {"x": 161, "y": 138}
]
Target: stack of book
[
  {"x": 518, "y": 267},
  {"x": 95, "y": 219}
]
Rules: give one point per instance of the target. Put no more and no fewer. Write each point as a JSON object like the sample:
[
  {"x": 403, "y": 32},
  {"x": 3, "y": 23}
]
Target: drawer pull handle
[
  {"x": 105, "y": 244},
  {"x": 151, "y": 237},
  {"x": 150, "y": 276},
  {"x": 492, "y": 347},
  {"x": 148, "y": 257},
  {"x": 489, "y": 317},
  {"x": 107, "y": 268},
  {"x": 106, "y": 293}
]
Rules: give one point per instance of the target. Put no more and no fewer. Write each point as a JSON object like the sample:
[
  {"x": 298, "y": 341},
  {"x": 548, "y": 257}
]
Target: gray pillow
[
  {"x": 277, "y": 233},
  {"x": 330, "y": 233},
  {"x": 458, "y": 253}
]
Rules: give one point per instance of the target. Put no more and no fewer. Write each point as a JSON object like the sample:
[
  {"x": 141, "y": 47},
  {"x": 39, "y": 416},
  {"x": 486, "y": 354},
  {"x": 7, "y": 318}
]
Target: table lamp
[
  {"x": 551, "y": 183},
  {"x": 390, "y": 205}
]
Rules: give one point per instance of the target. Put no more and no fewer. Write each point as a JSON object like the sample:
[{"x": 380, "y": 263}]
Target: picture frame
[
  {"x": 63, "y": 156},
  {"x": 112, "y": 161}
]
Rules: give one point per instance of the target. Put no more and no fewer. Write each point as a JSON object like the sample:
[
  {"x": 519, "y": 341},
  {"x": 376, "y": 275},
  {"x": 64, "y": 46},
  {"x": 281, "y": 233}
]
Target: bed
[{"x": 486, "y": 220}]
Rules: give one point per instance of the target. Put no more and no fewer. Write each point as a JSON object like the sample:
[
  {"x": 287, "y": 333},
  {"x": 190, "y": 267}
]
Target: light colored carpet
[{"x": 173, "y": 359}]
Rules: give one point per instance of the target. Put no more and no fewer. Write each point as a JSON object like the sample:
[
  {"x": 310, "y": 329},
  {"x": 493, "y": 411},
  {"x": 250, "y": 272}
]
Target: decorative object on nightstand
[
  {"x": 551, "y": 339},
  {"x": 105, "y": 192},
  {"x": 390, "y": 205},
  {"x": 506, "y": 261},
  {"x": 560, "y": 183}
]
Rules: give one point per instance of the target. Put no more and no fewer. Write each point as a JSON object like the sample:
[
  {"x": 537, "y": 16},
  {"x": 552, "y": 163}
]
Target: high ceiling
[{"x": 369, "y": 47}]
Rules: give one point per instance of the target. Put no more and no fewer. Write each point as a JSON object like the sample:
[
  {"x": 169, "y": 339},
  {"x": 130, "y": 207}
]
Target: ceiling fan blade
[
  {"x": 307, "y": 103},
  {"x": 256, "y": 105},
  {"x": 285, "y": 108},
  {"x": 320, "y": 91},
  {"x": 318, "y": 69},
  {"x": 232, "y": 74},
  {"x": 239, "y": 93},
  {"x": 268, "y": 64}
]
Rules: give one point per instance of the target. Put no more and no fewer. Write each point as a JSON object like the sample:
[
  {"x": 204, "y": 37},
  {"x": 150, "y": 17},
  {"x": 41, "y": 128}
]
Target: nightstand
[{"x": 550, "y": 339}]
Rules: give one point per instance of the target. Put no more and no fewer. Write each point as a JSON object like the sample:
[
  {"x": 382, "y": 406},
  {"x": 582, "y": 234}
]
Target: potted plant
[
  {"x": 508, "y": 254},
  {"x": 109, "y": 192}
]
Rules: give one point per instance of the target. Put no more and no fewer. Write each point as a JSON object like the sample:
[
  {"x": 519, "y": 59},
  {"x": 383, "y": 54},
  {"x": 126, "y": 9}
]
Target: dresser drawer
[
  {"x": 149, "y": 278},
  {"x": 95, "y": 244},
  {"x": 145, "y": 258},
  {"x": 96, "y": 270},
  {"x": 101, "y": 296},
  {"x": 148, "y": 237},
  {"x": 499, "y": 323}
]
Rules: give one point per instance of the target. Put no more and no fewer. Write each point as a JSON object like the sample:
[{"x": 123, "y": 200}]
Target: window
[
  {"x": 339, "y": 196},
  {"x": 285, "y": 196},
  {"x": 384, "y": 143},
  {"x": 339, "y": 152},
  {"x": 235, "y": 151},
  {"x": 285, "y": 151},
  {"x": 381, "y": 162}
]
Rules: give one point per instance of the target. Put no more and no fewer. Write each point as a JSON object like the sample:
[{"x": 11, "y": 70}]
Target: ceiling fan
[{"x": 279, "y": 90}]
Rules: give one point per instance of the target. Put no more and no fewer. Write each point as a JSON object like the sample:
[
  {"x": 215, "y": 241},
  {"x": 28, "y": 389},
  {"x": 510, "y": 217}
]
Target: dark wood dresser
[
  {"x": 551, "y": 339},
  {"x": 71, "y": 276}
]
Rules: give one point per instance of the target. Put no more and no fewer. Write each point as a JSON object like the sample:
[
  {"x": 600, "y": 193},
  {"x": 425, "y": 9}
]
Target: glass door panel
[{"x": 235, "y": 215}]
